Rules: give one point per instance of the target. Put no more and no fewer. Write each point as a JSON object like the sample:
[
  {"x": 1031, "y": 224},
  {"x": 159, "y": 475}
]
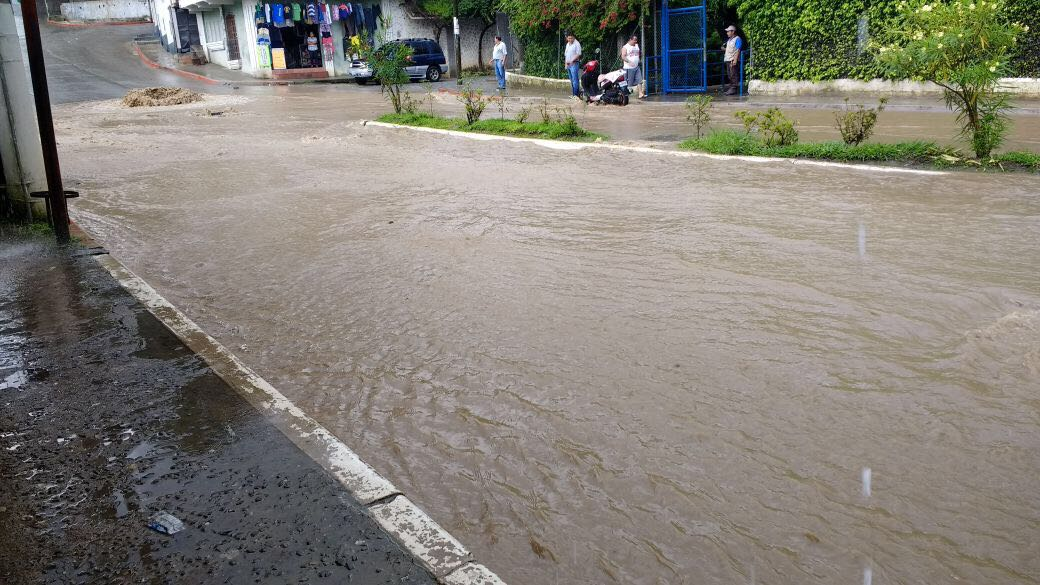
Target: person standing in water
[
  {"x": 498, "y": 60},
  {"x": 630, "y": 63}
]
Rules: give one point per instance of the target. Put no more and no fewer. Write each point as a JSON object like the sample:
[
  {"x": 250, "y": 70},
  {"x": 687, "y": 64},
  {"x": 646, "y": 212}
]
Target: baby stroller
[
  {"x": 609, "y": 88},
  {"x": 614, "y": 88}
]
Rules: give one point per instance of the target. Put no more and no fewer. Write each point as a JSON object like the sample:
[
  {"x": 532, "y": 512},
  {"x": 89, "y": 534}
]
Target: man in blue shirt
[{"x": 733, "y": 47}]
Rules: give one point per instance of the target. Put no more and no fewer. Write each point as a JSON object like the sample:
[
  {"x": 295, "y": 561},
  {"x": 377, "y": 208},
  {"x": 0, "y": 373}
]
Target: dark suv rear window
[{"x": 419, "y": 48}]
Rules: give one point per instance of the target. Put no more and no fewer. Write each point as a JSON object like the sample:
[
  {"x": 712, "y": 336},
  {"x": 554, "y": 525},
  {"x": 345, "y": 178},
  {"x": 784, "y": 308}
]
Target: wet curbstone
[
  {"x": 420, "y": 534},
  {"x": 360, "y": 479},
  {"x": 438, "y": 551},
  {"x": 473, "y": 574}
]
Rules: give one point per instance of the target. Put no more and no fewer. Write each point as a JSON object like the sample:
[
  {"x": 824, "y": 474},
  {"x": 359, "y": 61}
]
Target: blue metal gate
[{"x": 685, "y": 67}]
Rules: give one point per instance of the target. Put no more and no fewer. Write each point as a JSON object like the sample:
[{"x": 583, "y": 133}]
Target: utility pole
[
  {"x": 458, "y": 44},
  {"x": 38, "y": 73}
]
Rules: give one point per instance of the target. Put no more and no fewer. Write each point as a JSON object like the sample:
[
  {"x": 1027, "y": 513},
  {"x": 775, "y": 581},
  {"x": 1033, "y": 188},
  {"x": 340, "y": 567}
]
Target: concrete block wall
[
  {"x": 406, "y": 25},
  {"x": 105, "y": 10}
]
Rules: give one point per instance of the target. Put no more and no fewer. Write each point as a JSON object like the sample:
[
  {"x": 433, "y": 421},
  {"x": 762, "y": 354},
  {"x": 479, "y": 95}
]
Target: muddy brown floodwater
[{"x": 606, "y": 367}]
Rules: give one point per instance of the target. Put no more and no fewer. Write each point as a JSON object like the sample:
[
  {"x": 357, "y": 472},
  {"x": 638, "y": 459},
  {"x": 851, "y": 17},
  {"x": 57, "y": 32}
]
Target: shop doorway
[
  {"x": 294, "y": 41},
  {"x": 187, "y": 30}
]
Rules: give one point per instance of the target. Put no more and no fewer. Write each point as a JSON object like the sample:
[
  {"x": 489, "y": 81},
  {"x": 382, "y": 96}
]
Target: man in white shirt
[
  {"x": 498, "y": 59},
  {"x": 630, "y": 63},
  {"x": 571, "y": 59}
]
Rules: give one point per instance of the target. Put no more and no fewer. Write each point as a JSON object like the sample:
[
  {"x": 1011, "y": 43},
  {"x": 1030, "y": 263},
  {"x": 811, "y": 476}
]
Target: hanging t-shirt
[
  {"x": 278, "y": 15},
  {"x": 312, "y": 13},
  {"x": 296, "y": 11},
  {"x": 267, "y": 12},
  {"x": 258, "y": 14},
  {"x": 334, "y": 10},
  {"x": 344, "y": 12}
]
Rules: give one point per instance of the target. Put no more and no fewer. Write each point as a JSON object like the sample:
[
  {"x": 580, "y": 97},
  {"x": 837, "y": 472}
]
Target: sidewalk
[
  {"x": 153, "y": 52},
  {"x": 107, "y": 419}
]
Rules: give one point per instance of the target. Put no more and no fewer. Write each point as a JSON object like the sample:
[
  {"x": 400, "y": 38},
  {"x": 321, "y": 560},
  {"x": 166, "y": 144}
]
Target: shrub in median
[
  {"x": 856, "y": 125},
  {"x": 565, "y": 129},
  {"x": 738, "y": 143},
  {"x": 698, "y": 112},
  {"x": 473, "y": 101},
  {"x": 772, "y": 126}
]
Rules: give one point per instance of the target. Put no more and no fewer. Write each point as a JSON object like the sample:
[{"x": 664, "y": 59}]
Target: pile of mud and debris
[{"x": 160, "y": 96}]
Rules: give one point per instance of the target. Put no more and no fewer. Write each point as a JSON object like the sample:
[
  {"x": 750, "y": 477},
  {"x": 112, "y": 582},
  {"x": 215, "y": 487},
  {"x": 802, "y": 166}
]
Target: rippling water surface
[{"x": 598, "y": 367}]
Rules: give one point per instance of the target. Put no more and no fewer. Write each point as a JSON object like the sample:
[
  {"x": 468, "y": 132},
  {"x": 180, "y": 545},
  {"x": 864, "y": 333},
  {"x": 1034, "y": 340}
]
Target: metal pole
[
  {"x": 38, "y": 72},
  {"x": 645, "y": 53},
  {"x": 458, "y": 43}
]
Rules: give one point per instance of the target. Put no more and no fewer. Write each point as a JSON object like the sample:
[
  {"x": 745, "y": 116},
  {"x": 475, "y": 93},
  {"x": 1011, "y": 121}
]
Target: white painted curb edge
[
  {"x": 562, "y": 145},
  {"x": 440, "y": 552}
]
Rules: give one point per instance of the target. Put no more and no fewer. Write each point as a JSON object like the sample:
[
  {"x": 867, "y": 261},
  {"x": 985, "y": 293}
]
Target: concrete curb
[
  {"x": 437, "y": 550},
  {"x": 519, "y": 80},
  {"x": 560, "y": 145},
  {"x": 83, "y": 24},
  {"x": 147, "y": 61},
  {"x": 1017, "y": 86}
]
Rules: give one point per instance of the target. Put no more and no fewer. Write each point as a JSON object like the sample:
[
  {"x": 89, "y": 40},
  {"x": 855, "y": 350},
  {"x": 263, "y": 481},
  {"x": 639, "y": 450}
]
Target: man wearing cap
[{"x": 732, "y": 59}]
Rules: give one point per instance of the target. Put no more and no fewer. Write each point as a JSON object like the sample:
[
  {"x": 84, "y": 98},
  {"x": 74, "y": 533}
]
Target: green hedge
[
  {"x": 542, "y": 56},
  {"x": 814, "y": 40}
]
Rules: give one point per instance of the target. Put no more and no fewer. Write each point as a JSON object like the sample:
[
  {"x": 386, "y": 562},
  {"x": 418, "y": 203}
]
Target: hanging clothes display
[
  {"x": 278, "y": 15},
  {"x": 328, "y": 47}
]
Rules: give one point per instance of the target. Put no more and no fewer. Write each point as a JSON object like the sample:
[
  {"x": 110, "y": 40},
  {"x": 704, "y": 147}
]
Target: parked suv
[{"x": 427, "y": 61}]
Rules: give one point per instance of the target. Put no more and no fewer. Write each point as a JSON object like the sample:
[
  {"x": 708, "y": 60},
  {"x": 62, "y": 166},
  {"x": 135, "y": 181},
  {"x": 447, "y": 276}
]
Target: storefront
[
  {"x": 273, "y": 39},
  {"x": 308, "y": 39}
]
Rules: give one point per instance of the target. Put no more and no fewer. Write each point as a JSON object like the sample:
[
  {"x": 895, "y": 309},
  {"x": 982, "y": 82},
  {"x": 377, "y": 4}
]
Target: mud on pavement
[{"x": 107, "y": 419}]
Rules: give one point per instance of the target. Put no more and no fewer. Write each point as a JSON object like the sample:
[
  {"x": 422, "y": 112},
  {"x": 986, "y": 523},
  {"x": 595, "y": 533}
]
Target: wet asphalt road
[
  {"x": 107, "y": 418},
  {"x": 98, "y": 62}
]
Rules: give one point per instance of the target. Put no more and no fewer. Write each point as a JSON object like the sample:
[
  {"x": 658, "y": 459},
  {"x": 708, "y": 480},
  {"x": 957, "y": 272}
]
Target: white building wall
[
  {"x": 162, "y": 17},
  {"x": 19, "y": 132},
  {"x": 94, "y": 10}
]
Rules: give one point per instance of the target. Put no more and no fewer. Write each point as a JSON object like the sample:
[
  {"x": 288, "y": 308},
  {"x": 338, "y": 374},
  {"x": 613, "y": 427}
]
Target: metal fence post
[
  {"x": 666, "y": 61},
  {"x": 741, "y": 90}
]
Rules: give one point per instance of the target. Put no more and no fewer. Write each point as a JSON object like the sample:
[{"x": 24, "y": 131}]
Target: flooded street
[{"x": 602, "y": 366}]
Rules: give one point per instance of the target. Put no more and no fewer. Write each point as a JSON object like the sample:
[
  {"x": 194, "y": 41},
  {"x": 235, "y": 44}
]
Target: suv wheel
[
  {"x": 361, "y": 80},
  {"x": 433, "y": 73}
]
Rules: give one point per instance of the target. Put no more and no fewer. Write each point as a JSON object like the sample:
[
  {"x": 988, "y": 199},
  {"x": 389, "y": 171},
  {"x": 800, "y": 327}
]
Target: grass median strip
[
  {"x": 913, "y": 153},
  {"x": 567, "y": 130}
]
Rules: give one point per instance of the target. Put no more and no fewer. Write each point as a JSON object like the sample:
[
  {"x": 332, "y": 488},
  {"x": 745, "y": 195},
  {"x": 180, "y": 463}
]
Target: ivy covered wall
[{"x": 817, "y": 40}]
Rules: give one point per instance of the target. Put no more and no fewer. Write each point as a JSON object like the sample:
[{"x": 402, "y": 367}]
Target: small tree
[
  {"x": 698, "y": 112},
  {"x": 857, "y": 124},
  {"x": 387, "y": 63},
  {"x": 962, "y": 46},
  {"x": 473, "y": 101},
  {"x": 772, "y": 126}
]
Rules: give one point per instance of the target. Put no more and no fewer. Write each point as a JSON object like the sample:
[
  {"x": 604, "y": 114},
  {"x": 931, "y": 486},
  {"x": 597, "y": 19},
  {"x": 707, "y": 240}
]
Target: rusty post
[{"x": 38, "y": 72}]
